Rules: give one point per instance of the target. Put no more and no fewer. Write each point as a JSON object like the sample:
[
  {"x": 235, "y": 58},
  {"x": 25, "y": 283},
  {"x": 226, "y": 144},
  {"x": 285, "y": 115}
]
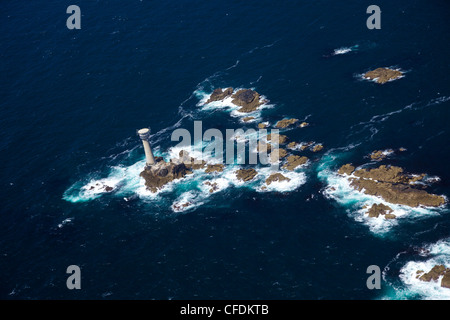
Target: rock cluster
[
  {"x": 276, "y": 177},
  {"x": 162, "y": 172},
  {"x": 293, "y": 161},
  {"x": 434, "y": 274},
  {"x": 383, "y": 75},
  {"x": 391, "y": 184},
  {"x": 285, "y": 123},
  {"x": 249, "y": 100},
  {"x": 380, "y": 209},
  {"x": 246, "y": 174}
]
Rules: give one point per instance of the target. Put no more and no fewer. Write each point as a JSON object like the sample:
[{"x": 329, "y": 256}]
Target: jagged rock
[
  {"x": 214, "y": 168},
  {"x": 213, "y": 186},
  {"x": 108, "y": 188},
  {"x": 401, "y": 149},
  {"x": 246, "y": 119},
  {"x": 219, "y": 94},
  {"x": 346, "y": 169},
  {"x": 286, "y": 123},
  {"x": 276, "y": 177},
  {"x": 434, "y": 273},
  {"x": 282, "y": 139},
  {"x": 161, "y": 173},
  {"x": 389, "y": 216},
  {"x": 262, "y": 125},
  {"x": 379, "y": 155},
  {"x": 306, "y": 145},
  {"x": 317, "y": 148},
  {"x": 383, "y": 75},
  {"x": 180, "y": 207},
  {"x": 275, "y": 156},
  {"x": 246, "y": 174},
  {"x": 293, "y": 161},
  {"x": 445, "y": 282},
  {"x": 292, "y": 145},
  {"x": 391, "y": 174},
  {"x": 247, "y": 99},
  {"x": 377, "y": 209}
]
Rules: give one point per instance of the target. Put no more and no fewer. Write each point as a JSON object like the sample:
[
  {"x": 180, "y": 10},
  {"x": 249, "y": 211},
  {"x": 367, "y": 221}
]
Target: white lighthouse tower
[{"x": 144, "y": 134}]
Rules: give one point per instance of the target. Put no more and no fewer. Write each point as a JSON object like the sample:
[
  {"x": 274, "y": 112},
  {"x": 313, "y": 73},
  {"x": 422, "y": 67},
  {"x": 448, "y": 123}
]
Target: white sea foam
[
  {"x": 358, "y": 203},
  {"x": 440, "y": 254},
  {"x": 297, "y": 179},
  {"x": 342, "y": 50},
  {"x": 187, "y": 201},
  {"x": 227, "y": 105}
]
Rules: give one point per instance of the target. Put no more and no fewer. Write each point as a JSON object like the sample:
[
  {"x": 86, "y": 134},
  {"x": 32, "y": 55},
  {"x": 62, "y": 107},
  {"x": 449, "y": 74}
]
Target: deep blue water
[{"x": 71, "y": 101}]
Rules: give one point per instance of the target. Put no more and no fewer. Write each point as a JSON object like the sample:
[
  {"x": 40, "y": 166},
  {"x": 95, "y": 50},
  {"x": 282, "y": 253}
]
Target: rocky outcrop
[
  {"x": 214, "y": 168},
  {"x": 293, "y": 161},
  {"x": 246, "y": 174},
  {"x": 276, "y": 177},
  {"x": 391, "y": 184},
  {"x": 346, "y": 169},
  {"x": 379, "y": 155},
  {"x": 161, "y": 173},
  {"x": 383, "y": 75},
  {"x": 317, "y": 148},
  {"x": 219, "y": 94},
  {"x": 282, "y": 139},
  {"x": 380, "y": 209},
  {"x": 306, "y": 145},
  {"x": 285, "y": 123},
  {"x": 247, "y": 99},
  {"x": 247, "y": 119},
  {"x": 434, "y": 274},
  {"x": 213, "y": 186},
  {"x": 277, "y": 154},
  {"x": 262, "y": 125}
]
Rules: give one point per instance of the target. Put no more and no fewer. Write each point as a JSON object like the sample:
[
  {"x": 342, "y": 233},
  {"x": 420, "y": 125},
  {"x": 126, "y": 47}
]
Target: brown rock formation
[
  {"x": 246, "y": 174},
  {"x": 346, "y": 169},
  {"x": 219, "y": 94},
  {"x": 262, "y": 125},
  {"x": 246, "y": 119},
  {"x": 213, "y": 186},
  {"x": 286, "y": 123},
  {"x": 276, "y": 177},
  {"x": 247, "y": 99},
  {"x": 391, "y": 184},
  {"x": 377, "y": 209},
  {"x": 383, "y": 75},
  {"x": 277, "y": 154},
  {"x": 214, "y": 168},
  {"x": 293, "y": 161},
  {"x": 434, "y": 273},
  {"x": 317, "y": 148},
  {"x": 292, "y": 145},
  {"x": 282, "y": 139}
]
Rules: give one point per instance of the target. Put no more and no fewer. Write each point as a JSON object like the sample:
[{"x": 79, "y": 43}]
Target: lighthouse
[{"x": 144, "y": 134}]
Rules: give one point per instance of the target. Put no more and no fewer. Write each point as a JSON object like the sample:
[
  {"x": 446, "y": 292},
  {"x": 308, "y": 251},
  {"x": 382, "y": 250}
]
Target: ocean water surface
[{"x": 71, "y": 101}]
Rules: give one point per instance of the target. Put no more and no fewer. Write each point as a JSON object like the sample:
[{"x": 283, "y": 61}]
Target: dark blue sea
[{"x": 72, "y": 100}]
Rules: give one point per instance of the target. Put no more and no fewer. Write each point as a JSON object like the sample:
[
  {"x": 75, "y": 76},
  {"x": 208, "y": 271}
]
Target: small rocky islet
[
  {"x": 434, "y": 274},
  {"x": 391, "y": 184},
  {"x": 383, "y": 75}
]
